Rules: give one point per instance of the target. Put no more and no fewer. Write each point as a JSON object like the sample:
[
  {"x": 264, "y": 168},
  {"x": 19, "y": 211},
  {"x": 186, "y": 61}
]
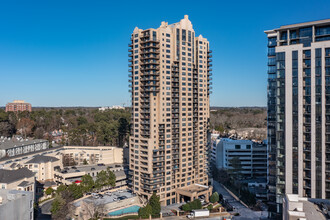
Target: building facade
[
  {"x": 170, "y": 86},
  {"x": 10, "y": 147},
  {"x": 44, "y": 167},
  {"x": 18, "y": 106},
  {"x": 298, "y": 111},
  {"x": 252, "y": 156},
  {"x": 78, "y": 155}
]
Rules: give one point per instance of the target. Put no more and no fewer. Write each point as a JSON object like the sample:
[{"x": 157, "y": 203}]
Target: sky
[{"x": 75, "y": 53}]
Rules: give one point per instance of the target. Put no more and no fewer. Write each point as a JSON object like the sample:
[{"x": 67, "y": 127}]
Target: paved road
[
  {"x": 245, "y": 213},
  {"x": 44, "y": 210}
]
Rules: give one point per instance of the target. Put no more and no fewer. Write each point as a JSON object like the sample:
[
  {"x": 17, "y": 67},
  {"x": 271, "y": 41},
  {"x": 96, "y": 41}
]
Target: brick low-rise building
[{"x": 18, "y": 106}]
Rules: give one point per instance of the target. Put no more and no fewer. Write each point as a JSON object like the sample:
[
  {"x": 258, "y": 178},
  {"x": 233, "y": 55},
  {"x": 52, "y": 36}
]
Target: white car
[
  {"x": 120, "y": 191},
  {"x": 115, "y": 199}
]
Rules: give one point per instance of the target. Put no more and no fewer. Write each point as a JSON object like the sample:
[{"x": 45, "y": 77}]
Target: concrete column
[{"x": 207, "y": 197}]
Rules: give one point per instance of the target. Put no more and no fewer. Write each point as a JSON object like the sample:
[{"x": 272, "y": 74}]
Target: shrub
[
  {"x": 214, "y": 198},
  {"x": 210, "y": 207},
  {"x": 145, "y": 211},
  {"x": 49, "y": 191},
  {"x": 186, "y": 207}
]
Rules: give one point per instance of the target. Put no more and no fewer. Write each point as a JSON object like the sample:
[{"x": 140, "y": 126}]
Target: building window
[{"x": 237, "y": 146}]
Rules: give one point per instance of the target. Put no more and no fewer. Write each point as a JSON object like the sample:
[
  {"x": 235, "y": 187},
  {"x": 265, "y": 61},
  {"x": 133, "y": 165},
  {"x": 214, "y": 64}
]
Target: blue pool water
[{"x": 127, "y": 210}]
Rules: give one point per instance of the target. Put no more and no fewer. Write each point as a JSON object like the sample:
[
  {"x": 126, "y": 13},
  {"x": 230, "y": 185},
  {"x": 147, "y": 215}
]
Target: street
[
  {"x": 245, "y": 213},
  {"x": 44, "y": 210}
]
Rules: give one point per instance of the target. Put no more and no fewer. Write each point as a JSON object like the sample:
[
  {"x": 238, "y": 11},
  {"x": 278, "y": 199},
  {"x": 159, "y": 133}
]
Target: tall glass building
[{"x": 299, "y": 111}]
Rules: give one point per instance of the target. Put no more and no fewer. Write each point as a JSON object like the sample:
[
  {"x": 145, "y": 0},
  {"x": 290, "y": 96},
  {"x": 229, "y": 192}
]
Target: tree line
[{"x": 81, "y": 126}]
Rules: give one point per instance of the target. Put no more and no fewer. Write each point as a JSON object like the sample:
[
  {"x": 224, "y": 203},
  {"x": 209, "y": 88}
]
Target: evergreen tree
[{"x": 155, "y": 204}]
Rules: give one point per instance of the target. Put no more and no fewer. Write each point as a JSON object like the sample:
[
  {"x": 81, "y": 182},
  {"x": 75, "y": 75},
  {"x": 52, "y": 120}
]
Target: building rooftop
[
  {"x": 304, "y": 208},
  {"x": 9, "y": 176},
  {"x": 194, "y": 188},
  {"x": 8, "y": 195},
  {"x": 304, "y": 24},
  {"x": 229, "y": 140},
  {"x": 42, "y": 159},
  {"x": 8, "y": 143}
]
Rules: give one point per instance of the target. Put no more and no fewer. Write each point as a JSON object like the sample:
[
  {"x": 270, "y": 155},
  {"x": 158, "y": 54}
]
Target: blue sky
[{"x": 75, "y": 53}]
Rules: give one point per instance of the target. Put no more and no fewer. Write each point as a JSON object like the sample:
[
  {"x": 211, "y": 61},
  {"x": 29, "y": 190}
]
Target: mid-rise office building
[
  {"x": 251, "y": 155},
  {"x": 18, "y": 106},
  {"x": 170, "y": 87},
  {"x": 298, "y": 111}
]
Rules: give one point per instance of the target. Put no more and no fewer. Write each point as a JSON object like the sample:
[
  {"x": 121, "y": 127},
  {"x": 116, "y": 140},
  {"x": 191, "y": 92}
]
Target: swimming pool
[{"x": 131, "y": 209}]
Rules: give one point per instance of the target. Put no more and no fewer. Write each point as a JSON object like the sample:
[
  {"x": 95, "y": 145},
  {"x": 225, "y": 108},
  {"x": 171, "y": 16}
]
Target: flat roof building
[
  {"x": 16, "y": 204},
  {"x": 18, "y": 106},
  {"x": 302, "y": 208},
  {"x": 252, "y": 156}
]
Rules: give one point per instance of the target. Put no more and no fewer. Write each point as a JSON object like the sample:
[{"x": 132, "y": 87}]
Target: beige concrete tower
[{"x": 169, "y": 80}]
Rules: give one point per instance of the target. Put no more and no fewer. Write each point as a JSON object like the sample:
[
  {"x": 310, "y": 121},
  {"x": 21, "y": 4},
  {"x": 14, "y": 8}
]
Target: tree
[
  {"x": 81, "y": 120},
  {"x": 85, "y": 162},
  {"x": 76, "y": 190},
  {"x": 122, "y": 130},
  {"x": 111, "y": 178},
  {"x": 49, "y": 191},
  {"x": 87, "y": 183},
  {"x": 145, "y": 211},
  {"x": 57, "y": 205},
  {"x": 214, "y": 197},
  {"x": 6, "y": 129},
  {"x": 61, "y": 188},
  {"x": 186, "y": 207},
  {"x": 196, "y": 204},
  {"x": 101, "y": 179},
  {"x": 235, "y": 162},
  {"x": 92, "y": 211},
  {"x": 39, "y": 133},
  {"x": 155, "y": 205},
  {"x": 210, "y": 207},
  {"x": 24, "y": 126}
]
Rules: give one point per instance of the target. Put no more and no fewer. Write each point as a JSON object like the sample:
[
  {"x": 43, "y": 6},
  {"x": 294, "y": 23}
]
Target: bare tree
[
  {"x": 24, "y": 126},
  {"x": 90, "y": 210}
]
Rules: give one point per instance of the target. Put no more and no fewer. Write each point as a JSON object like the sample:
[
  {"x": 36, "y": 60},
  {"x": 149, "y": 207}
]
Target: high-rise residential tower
[
  {"x": 299, "y": 110},
  {"x": 170, "y": 88}
]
